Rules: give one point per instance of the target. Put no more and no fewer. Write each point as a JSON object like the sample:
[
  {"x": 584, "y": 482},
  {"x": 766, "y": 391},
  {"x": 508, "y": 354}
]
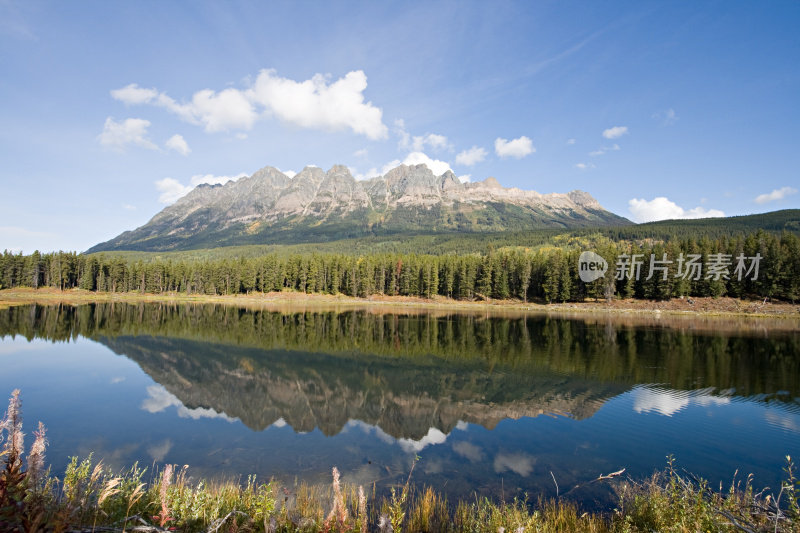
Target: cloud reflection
[
  {"x": 519, "y": 463},
  {"x": 160, "y": 398},
  {"x": 433, "y": 437},
  {"x": 667, "y": 402}
]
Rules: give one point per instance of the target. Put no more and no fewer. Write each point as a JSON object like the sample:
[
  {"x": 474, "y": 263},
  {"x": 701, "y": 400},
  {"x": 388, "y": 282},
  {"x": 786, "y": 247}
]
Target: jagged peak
[
  {"x": 583, "y": 198},
  {"x": 267, "y": 198}
]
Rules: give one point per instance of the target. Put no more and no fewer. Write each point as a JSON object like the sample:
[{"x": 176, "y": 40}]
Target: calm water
[{"x": 491, "y": 405}]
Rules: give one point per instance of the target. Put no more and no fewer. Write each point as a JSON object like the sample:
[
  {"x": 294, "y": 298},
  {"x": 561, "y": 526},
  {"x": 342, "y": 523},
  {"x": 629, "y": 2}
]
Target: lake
[{"x": 492, "y": 404}]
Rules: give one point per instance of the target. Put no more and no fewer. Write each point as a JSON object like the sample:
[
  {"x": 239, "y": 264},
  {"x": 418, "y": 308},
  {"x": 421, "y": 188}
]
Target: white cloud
[
  {"x": 317, "y": 104},
  {"x": 417, "y": 143},
  {"x": 159, "y": 398},
  {"x": 465, "y": 178},
  {"x": 519, "y": 463},
  {"x": 468, "y": 451},
  {"x": 668, "y": 402},
  {"x": 289, "y": 173},
  {"x": 314, "y": 104},
  {"x": 414, "y": 158},
  {"x": 417, "y": 158},
  {"x": 667, "y": 118},
  {"x": 227, "y": 110},
  {"x": 371, "y": 173},
  {"x": 159, "y": 451},
  {"x": 400, "y": 130},
  {"x": 517, "y": 148},
  {"x": 663, "y": 402},
  {"x": 615, "y": 132},
  {"x": 432, "y": 140},
  {"x": 571, "y": 141},
  {"x": 394, "y": 163},
  {"x": 133, "y": 94},
  {"x": 661, "y": 208},
  {"x": 129, "y": 207},
  {"x": 171, "y": 189},
  {"x": 433, "y": 437},
  {"x": 179, "y": 144},
  {"x": 474, "y": 155},
  {"x": 118, "y": 135},
  {"x": 584, "y": 166},
  {"x": 604, "y": 149},
  {"x": 777, "y": 194},
  {"x": 361, "y": 153},
  {"x": 787, "y": 422}
]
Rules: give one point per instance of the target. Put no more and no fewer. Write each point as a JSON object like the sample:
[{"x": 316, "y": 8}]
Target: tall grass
[{"x": 91, "y": 497}]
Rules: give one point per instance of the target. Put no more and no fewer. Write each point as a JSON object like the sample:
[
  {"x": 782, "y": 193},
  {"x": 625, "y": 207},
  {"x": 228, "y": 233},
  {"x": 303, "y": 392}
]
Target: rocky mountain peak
[
  {"x": 409, "y": 198},
  {"x": 491, "y": 183}
]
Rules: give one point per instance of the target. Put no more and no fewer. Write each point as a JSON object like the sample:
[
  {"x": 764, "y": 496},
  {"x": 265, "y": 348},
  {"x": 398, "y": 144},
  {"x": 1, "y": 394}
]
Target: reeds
[{"x": 91, "y": 497}]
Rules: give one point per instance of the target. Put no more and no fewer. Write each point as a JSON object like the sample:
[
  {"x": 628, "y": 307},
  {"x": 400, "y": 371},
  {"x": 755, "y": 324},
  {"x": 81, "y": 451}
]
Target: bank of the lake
[{"x": 677, "y": 307}]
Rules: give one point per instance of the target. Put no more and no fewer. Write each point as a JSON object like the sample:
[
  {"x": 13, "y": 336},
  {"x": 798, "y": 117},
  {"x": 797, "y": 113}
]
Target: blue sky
[{"x": 658, "y": 109}]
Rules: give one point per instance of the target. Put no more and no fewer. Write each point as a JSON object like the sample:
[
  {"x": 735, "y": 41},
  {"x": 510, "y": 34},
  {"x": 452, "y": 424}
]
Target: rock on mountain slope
[{"x": 316, "y": 206}]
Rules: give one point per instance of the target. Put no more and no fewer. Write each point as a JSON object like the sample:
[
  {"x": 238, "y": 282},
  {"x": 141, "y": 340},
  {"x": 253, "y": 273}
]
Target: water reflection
[{"x": 506, "y": 401}]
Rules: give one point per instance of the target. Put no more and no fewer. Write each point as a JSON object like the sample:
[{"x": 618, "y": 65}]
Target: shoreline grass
[
  {"x": 701, "y": 307},
  {"x": 92, "y": 497}
]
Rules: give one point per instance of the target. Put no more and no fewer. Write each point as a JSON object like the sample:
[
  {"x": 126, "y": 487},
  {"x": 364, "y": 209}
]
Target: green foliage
[{"x": 546, "y": 273}]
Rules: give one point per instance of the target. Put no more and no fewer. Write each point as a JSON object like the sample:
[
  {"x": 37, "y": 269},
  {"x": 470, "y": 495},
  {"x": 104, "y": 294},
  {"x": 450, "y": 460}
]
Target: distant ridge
[{"x": 316, "y": 206}]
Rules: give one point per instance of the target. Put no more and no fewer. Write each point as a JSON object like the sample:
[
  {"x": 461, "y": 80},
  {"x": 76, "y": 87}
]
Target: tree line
[
  {"x": 416, "y": 345},
  {"x": 759, "y": 265}
]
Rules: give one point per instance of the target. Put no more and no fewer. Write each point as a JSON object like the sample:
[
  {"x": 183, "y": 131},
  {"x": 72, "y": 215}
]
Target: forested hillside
[{"x": 760, "y": 264}]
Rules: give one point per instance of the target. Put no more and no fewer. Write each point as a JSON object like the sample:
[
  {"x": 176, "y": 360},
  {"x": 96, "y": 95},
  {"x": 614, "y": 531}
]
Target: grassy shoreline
[
  {"x": 92, "y": 497},
  {"x": 699, "y": 307}
]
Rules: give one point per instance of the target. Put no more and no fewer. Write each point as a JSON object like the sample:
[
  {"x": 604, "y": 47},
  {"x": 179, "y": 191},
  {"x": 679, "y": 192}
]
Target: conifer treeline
[{"x": 549, "y": 274}]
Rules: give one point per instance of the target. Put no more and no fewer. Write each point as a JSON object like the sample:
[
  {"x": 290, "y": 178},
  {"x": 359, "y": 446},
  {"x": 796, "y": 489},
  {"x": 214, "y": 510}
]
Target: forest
[{"x": 758, "y": 264}]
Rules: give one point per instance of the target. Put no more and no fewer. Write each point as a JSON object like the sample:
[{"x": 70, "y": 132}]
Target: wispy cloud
[
  {"x": 472, "y": 156},
  {"x": 616, "y": 132},
  {"x": 519, "y": 463},
  {"x": 604, "y": 150},
  {"x": 775, "y": 195},
  {"x": 418, "y": 143},
  {"x": 131, "y": 131},
  {"x": 178, "y": 144},
  {"x": 667, "y": 117}
]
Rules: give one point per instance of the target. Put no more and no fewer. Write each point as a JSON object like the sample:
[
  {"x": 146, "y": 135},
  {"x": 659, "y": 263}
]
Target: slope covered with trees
[{"x": 760, "y": 264}]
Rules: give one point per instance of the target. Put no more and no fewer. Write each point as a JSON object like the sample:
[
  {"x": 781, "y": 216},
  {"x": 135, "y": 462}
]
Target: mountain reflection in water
[{"x": 467, "y": 389}]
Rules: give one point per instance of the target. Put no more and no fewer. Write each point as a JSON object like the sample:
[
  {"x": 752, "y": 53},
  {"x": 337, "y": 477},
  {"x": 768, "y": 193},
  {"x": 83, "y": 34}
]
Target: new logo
[{"x": 591, "y": 266}]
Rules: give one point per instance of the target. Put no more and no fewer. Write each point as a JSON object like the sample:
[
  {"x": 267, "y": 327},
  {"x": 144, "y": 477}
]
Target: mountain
[{"x": 316, "y": 206}]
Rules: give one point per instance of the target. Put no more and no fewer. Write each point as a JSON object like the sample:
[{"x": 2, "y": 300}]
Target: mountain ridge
[{"x": 271, "y": 207}]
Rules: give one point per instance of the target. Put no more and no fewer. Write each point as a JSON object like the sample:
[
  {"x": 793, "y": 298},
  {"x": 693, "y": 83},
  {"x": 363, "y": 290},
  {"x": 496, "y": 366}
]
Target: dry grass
[{"x": 707, "y": 314}]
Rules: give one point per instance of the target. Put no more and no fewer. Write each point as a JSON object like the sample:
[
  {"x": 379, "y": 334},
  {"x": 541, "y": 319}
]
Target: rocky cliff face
[{"x": 269, "y": 207}]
